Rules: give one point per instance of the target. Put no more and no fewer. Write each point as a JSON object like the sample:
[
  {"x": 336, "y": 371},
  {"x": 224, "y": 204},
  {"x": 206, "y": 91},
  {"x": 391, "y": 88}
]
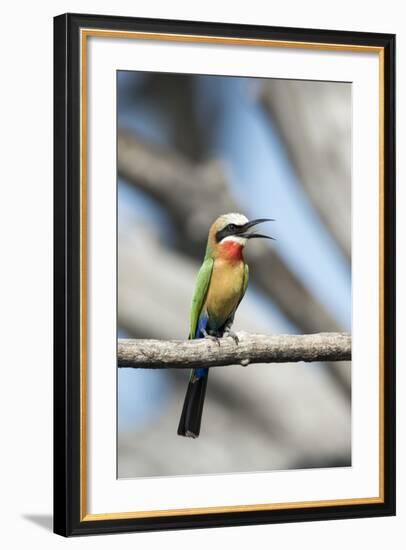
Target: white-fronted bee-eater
[{"x": 220, "y": 286}]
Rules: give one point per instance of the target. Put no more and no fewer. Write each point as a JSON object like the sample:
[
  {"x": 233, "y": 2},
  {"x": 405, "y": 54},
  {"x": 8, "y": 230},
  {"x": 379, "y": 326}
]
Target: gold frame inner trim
[{"x": 173, "y": 37}]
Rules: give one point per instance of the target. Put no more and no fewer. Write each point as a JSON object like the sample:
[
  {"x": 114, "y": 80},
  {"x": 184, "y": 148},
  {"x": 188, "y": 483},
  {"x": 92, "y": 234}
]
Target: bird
[{"x": 220, "y": 286}]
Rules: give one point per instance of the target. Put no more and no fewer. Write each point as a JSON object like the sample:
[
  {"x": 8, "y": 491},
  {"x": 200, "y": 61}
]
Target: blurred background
[{"x": 193, "y": 147}]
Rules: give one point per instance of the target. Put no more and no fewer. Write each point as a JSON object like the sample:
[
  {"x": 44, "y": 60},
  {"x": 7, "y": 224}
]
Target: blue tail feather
[{"x": 201, "y": 325}]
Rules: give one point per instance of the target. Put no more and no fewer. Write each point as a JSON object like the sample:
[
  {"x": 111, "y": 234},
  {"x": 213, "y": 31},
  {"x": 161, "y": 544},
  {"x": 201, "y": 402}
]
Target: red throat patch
[{"x": 231, "y": 251}]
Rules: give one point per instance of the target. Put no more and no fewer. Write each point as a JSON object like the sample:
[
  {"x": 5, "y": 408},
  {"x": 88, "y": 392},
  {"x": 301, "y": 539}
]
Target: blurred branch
[
  {"x": 252, "y": 348},
  {"x": 314, "y": 120}
]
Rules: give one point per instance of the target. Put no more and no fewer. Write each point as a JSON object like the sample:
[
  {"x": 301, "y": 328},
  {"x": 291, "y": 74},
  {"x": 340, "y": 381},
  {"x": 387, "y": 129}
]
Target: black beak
[{"x": 252, "y": 223}]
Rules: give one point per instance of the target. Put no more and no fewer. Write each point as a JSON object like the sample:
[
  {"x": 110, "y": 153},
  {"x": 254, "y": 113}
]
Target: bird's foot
[
  {"x": 210, "y": 337},
  {"x": 232, "y": 335}
]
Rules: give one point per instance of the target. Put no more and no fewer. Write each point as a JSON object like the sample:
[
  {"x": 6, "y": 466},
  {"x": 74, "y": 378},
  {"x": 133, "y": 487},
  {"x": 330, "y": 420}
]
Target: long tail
[{"x": 191, "y": 417}]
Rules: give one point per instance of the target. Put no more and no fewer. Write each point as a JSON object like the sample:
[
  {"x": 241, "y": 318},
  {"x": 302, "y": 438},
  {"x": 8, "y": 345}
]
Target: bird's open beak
[{"x": 245, "y": 229}]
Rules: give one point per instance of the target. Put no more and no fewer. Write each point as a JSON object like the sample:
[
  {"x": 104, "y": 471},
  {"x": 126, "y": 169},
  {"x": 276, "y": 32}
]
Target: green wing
[{"x": 199, "y": 295}]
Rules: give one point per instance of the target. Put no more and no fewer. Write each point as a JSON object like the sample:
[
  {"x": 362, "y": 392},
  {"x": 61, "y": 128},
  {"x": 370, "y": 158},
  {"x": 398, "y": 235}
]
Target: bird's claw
[
  {"x": 210, "y": 337},
  {"x": 233, "y": 335}
]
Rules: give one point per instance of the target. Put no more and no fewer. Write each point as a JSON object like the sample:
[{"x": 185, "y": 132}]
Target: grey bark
[{"x": 251, "y": 348}]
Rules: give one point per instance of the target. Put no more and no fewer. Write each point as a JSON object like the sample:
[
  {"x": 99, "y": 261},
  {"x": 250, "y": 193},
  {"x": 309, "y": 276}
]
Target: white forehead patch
[
  {"x": 242, "y": 241},
  {"x": 234, "y": 217}
]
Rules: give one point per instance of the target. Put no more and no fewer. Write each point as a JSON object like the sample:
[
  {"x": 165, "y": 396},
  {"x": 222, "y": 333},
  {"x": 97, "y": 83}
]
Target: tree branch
[{"x": 252, "y": 348}]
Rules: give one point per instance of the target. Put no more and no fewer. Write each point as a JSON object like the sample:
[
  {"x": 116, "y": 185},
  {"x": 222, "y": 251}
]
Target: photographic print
[
  {"x": 234, "y": 219},
  {"x": 224, "y": 280}
]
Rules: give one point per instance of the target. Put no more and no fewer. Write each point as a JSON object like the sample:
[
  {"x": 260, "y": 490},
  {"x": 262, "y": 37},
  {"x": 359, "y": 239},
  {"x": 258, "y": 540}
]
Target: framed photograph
[{"x": 224, "y": 251}]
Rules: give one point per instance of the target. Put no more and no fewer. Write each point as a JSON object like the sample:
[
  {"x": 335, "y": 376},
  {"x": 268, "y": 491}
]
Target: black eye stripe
[{"x": 228, "y": 230}]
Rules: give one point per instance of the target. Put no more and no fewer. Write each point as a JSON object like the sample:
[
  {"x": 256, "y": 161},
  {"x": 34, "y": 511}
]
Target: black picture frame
[{"x": 67, "y": 381}]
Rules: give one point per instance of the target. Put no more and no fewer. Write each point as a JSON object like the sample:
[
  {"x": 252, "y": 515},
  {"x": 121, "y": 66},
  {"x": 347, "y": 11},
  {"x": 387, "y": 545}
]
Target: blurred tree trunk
[
  {"x": 177, "y": 109},
  {"x": 314, "y": 121}
]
